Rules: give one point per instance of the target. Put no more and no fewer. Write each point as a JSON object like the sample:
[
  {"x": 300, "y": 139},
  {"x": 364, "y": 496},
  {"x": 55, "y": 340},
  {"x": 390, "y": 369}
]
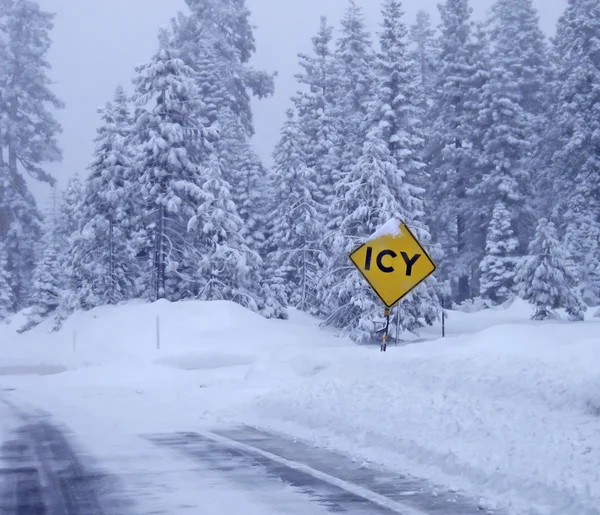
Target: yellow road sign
[{"x": 393, "y": 262}]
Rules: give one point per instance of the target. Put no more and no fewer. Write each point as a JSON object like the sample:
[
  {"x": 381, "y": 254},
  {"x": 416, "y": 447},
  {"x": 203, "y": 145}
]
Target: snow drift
[{"x": 505, "y": 409}]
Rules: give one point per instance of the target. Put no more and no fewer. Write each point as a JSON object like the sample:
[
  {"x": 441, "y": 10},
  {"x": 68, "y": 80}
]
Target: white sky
[{"x": 97, "y": 43}]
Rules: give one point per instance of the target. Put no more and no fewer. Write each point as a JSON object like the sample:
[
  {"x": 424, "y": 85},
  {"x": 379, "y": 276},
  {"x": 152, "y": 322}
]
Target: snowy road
[
  {"x": 41, "y": 474},
  {"x": 43, "y": 471}
]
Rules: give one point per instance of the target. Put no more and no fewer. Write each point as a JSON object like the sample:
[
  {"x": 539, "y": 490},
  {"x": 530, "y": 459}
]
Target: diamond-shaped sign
[{"x": 393, "y": 262}]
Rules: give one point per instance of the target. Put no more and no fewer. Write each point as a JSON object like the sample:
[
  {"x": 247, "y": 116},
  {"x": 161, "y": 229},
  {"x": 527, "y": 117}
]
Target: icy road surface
[
  {"x": 43, "y": 471},
  {"x": 504, "y": 410}
]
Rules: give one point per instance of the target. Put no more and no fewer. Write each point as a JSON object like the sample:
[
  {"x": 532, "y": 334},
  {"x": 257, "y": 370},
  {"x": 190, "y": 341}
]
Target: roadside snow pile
[
  {"x": 508, "y": 414},
  {"x": 190, "y": 335},
  {"x": 504, "y": 409}
]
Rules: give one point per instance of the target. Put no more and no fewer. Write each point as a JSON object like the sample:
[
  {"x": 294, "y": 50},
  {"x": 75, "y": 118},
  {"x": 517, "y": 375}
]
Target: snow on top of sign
[{"x": 390, "y": 228}]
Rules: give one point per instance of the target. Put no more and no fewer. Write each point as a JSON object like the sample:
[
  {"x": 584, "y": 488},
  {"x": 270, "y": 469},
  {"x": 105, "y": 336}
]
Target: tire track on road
[{"x": 42, "y": 474}]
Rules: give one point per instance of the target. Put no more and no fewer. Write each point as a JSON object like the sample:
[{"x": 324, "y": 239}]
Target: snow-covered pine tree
[
  {"x": 69, "y": 212},
  {"x": 424, "y": 53},
  {"x": 246, "y": 176},
  {"x": 516, "y": 105},
  {"x": 245, "y": 181},
  {"x": 575, "y": 167},
  {"x": 315, "y": 106},
  {"x": 69, "y": 221},
  {"x": 28, "y": 133},
  {"x": 45, "y": 293},
  {"x": 293, "y": 248},
  {"x": 216, "y": 40},
  {"x": 507, "y": 134},
  {"x": 545, "y": 279},
  {"x": 520, "y": 48},
  {"x": 101, "y": 256},
  {"x": 354, "y": 88},
  {"x": 368, "y": 196},
  {"x": 582, "y": 240},
  {"x": 7, "y": 299},
  {"x": 226, "y": 268},
  {"x": 171, "y": 145},
  {"x": 354, "y": 56},
  {"x": 454, "y": 145},
  {"x": 497, "y": 281},
  {"x": 395, "y": 111},
  {"x": 23, "y": 228}
]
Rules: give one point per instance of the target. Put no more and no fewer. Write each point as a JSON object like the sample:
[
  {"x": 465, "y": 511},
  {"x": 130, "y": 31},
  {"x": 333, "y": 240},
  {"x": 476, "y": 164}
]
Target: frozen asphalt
[{"x": 43, "y": 471}]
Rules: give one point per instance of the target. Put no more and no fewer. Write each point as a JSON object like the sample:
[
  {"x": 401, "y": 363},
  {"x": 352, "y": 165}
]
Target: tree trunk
[
  {"x": 111, "y": 262},
  {"x": 160, "y": 254},
  {"x": 463, "y": 280}
]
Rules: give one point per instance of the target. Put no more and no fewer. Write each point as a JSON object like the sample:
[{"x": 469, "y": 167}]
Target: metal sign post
[{"x": 386, "y": 332}]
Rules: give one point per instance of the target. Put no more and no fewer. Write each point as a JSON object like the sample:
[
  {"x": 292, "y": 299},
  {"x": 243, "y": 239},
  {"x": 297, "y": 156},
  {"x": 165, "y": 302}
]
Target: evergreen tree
[
  {"x": 69, "y": 212},
  {"x": 46, "y": 289},
  {"x": 295, "y": 233},
  {"x": 454, "y": 146},
  {"x": 354, "y": 57},
  {"x": 28, "y": 133},
  {"x": 575, "y": 167},
  {"x": 520, "y": 48},
  {"x": 395, "y": 112},
  {"x": 424, "y": 54},
  {"x": 226, "y": 269},
  {"x": 316, "y": 113},
  {"x": 216, "y": 41},
  {"x": 498, "y": 265},
  {"x": 582, "y": 241},
  {"x": 7, "y": 300},
  {"x": 503, "y": 168},
  {"x": 354, "y": 86},
  {"x": 245, "y": 174},
  {"x": 171, "y": 145},
  {"x": 368, "y": 195},
  {"x": 516, "y": 106},
  {"x": 355, "y": 54},
  {"x": 545, "y": 278},
  {"x": 23, "y": 232},
  {"x": 69, "y": 222},
  {"x": 101, "y": 255}
]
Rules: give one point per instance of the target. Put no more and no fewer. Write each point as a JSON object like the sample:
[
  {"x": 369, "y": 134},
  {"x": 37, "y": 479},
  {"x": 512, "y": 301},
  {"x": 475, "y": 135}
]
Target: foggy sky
[{"x": 97, "y": 44}]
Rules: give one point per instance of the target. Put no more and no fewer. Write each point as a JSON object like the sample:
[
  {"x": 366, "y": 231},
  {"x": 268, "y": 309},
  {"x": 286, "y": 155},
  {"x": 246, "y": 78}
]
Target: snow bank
[
  {"x": 504, "y": 409},
  {"x": 506, "y": 413},
  {"x": 185, "y": 335}
]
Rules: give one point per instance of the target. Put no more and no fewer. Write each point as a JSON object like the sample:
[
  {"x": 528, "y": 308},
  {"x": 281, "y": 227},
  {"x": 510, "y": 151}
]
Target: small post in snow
[
  {"x": 157, "y": 332},
  {"x": 386, "y": 331},
  {"x": 443, "y": 318},
  {"x": 74, "y": 342},
  {"x": 397, "y": 325}
]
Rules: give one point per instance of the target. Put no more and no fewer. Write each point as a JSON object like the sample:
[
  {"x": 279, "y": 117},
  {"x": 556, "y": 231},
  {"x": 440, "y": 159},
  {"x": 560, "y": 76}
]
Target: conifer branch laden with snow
[
  {"x": 100, "y": 261},
  {"x": 295, "y": 230},
  {"x": 572, "y": 172},
  {"x": 498, "y": 265},
  {"x": 45, "y": 290},
  {"x": 7, "y": 299},
  {"x": 545, "y": 279},
  {"x": 28, "y": 136}
]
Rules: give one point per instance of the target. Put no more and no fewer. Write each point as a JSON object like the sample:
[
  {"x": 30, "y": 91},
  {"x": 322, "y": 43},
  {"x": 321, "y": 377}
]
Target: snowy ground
[{"x": 503, "y": 409}]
